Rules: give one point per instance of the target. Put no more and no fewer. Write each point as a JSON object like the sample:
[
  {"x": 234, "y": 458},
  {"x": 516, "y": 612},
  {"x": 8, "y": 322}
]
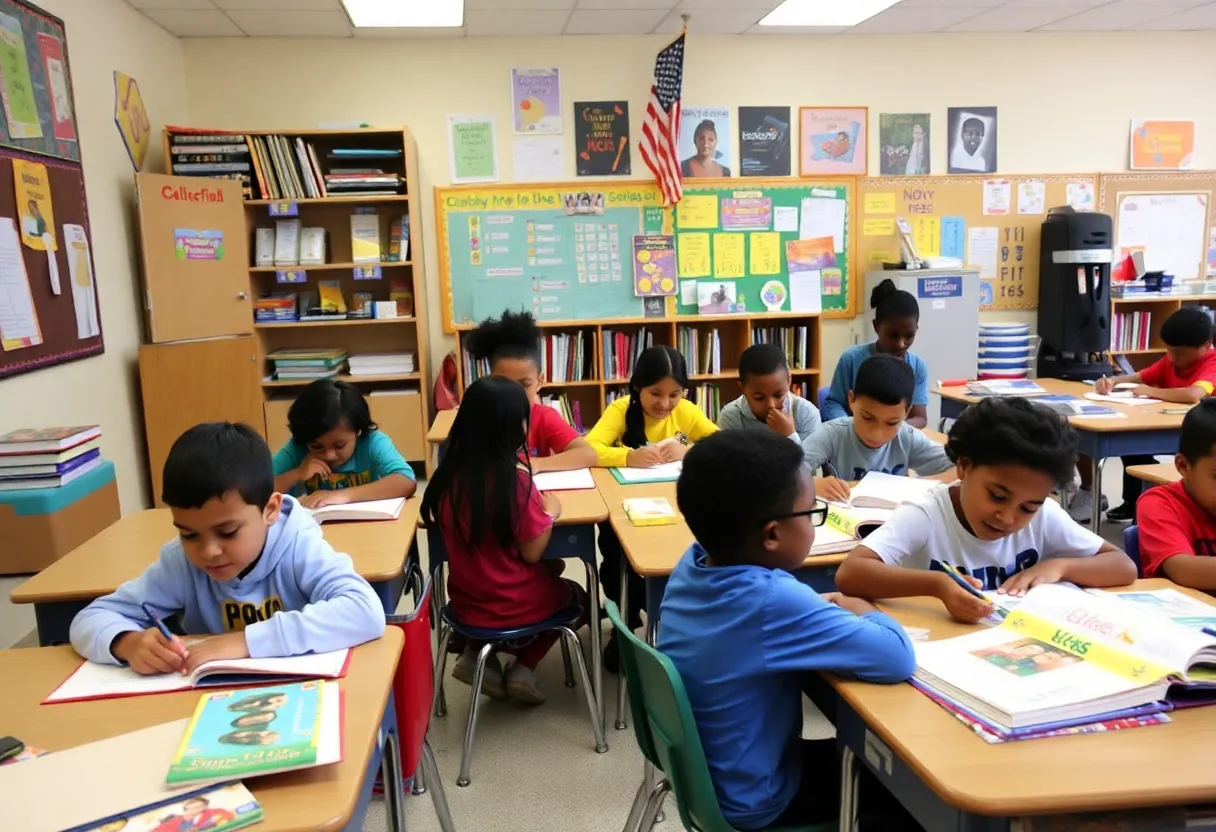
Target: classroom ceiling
[{"x": 325, "y": 18}]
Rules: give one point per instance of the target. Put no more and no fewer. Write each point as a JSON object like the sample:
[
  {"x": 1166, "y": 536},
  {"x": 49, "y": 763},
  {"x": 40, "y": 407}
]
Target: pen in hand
[
  {"x": 958, "y": 579},
  {"x": 173, "y": 640}
]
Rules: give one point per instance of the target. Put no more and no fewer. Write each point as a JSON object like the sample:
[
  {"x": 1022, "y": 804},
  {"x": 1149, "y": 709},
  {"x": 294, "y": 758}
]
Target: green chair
[{"x": 667, "y": 737}]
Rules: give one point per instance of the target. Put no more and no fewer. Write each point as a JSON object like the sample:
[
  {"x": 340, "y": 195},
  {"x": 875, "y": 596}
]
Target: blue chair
[
  {"x": 822, "y": 397},
  {"x": 1131, "y": 545}
]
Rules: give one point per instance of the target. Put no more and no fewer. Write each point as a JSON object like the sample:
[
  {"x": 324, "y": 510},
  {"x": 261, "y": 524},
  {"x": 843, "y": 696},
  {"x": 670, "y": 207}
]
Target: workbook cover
[
  {"x": 266, "y": 730},
  {"x": 223, "y": 809}
]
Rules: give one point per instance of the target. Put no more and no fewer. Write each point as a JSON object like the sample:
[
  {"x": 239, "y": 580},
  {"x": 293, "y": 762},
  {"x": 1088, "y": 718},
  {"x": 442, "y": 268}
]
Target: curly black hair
[
  {"x": 1012, "y": 431},
  {"x": 514, "y": 335}
]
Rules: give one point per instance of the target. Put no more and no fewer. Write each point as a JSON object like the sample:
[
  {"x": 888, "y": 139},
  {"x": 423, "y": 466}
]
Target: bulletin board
[
  {"x": 562, "y": 251},
  {"x": 738, "y": 233},
  {"x": 994, "y": 223},
  {"x": 36, "y": 83},
  {"x": 1170, "y": 215}
]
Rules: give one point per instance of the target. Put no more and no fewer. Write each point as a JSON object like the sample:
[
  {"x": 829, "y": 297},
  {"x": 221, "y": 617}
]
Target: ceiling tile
[
  {"x": 795, "y": 30},
  {"x": 624, "y": 5},
  {"x": 192, "y": 24},
  {"x": 1069, "y": 4},
  {"x": 1020, "y": 19},
  {"x": 900, "y": 19},
  {"x": 763, "y": 6},
  {"x": 171, "y": 4},
  {"x": 410, "y": 32},
  {"x": 279, "y": 5},
  {"x": 291, "y": 24},
  {"x": 719, "y": 22},
  {"x": 517, "y": 5},
  {"x": 968, "y": 4},
  {"x": 485, "y": 23},
  {"x": 597, "y": 22},
  {"x": 1200, "y": 17},
  {"x": 1119, "y": 15}
]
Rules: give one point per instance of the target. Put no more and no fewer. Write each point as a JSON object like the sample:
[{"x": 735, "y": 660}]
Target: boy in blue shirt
[
  {"x": 877, "y": 437},
  {"x": 249, "y": 563},
  {"x": 743, "y": 632}
]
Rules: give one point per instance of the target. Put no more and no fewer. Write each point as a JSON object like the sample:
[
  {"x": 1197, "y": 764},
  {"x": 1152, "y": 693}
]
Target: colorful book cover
[
  {"x": 221, "y": 809},
  {"x": 241, "y": 733},
  {"x": 42, "y": 434}
]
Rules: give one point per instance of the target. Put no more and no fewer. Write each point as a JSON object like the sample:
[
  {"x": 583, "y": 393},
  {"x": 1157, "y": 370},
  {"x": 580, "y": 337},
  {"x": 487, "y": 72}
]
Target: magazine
[
  {"x": 222, "y": 809},
  {"x": 1063, "y": 653}
]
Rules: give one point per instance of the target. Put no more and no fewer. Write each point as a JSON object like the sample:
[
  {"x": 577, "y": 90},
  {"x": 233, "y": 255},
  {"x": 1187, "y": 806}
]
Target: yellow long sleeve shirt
[{"x": 685, "y": 421}]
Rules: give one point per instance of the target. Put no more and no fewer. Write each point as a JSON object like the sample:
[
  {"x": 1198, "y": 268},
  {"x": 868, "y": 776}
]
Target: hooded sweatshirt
[{"x": 300, "y": 597}]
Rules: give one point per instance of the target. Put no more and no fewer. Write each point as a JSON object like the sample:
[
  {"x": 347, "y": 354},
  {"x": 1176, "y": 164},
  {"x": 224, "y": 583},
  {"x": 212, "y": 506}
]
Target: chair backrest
[
  {"x": 657, "y": 692},
  {"x": 414, "y": 682},
  {"x": 822, "y": 397},
  {"x": 1131, "y": 545}
]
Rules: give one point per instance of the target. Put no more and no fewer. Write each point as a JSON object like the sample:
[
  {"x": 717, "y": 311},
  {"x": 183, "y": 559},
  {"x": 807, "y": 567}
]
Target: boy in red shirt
[
  {"x": 1186, "y": 375},
  {"x": 1178, "y": 521}
]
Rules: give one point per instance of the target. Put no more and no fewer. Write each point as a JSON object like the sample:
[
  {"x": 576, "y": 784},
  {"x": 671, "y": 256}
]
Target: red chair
[{"x": 413, "y": 692}]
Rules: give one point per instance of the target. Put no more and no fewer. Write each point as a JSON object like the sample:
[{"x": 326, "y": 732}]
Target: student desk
[
  {"x": 949, "y": 779},
  {"x": 1160, "y": 473},
  {"x": 440, "y": 428},
  {"x": 121, "y": 552},
  {"x": 1144, "y": 430},
  {"x": 327, "y": 798}
]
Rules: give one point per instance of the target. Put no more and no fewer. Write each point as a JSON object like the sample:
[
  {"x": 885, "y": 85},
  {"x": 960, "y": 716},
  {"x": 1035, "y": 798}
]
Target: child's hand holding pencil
[
  {"x": 151, "y": 651},
  {"x": 961, "y": 596}
]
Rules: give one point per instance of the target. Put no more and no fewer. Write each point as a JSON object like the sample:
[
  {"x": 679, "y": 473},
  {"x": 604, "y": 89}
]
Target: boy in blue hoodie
[
  {"x": 745, "y": 634},
  {"x": 249, "y": 563}
]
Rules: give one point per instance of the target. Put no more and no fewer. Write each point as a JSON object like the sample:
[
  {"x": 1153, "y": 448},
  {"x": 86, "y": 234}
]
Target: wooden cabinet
[{"x": 196, "y": 381}]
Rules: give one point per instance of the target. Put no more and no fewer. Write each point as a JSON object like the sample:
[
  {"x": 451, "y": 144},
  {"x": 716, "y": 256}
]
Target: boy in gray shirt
[
  {"x": 876, "y": 437},
  {"x": 767, "y": 403}
]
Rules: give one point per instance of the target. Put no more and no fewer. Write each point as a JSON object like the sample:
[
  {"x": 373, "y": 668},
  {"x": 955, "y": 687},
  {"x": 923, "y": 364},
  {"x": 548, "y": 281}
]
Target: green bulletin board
[{"x": 737, "y": 233}]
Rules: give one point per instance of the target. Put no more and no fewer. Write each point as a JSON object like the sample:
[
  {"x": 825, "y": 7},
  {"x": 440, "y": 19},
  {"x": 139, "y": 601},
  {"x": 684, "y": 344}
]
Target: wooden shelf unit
[
  {"x": 735, "y": 332},
  {"x": 1159, "y": 308}
]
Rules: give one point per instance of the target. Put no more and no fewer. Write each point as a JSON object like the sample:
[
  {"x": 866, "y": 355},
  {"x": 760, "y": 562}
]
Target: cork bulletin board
[
  {"x": 1170, "y": 215},
  {"x": 992, "y": 222}
]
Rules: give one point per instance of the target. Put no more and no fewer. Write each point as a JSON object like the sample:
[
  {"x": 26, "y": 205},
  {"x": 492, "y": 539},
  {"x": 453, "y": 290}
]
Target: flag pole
[{"x": 685, "y": 18}]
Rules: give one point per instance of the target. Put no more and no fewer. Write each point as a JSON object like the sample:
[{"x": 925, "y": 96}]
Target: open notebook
[
  {"x": 667, "y": 472},
  {"x": 366, "y": 510},
  {"x": 108, "y": 681},
  {"x": 879, "y": 490},
  {"x": 577, "y": 480}
]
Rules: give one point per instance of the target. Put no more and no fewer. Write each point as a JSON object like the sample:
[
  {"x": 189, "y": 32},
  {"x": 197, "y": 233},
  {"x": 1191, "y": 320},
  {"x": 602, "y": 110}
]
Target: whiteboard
[{"x": 1171, "y": 229}]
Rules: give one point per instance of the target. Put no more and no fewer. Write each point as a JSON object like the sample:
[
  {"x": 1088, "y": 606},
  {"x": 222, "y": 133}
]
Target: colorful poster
[
  {"x": 903, "y": 144},
  {"x": 1159, "y": 144},
  {"x": 16, "y": 89},
  {"x": 536, "y": 101},
  {"x": 833, "y": 141},
  {"x": 747, "y": 213},
  {"x": 601, "y": 138},
  {"x": 189, "y": 244},
  {"x": 37, "y": 215},
  {"x": 972, "y": 138},
  {"x": 654, "y": 265},
  {"x": 51, "y": 50},
  {"x": 810, "y": 255},
  {"x": 704, "y": 146},
  {"x": 764, "y": 141},
  {"x": 471, "y": 149},
  {"x": 132, "y": 118},
  {"x": 80, "y": 269}
]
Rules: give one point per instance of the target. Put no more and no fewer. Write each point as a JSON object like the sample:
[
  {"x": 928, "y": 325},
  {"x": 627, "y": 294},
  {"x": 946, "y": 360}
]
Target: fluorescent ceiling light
[
  {"x": 414, "y": 14},
  {"x": 823, "y": 12}
]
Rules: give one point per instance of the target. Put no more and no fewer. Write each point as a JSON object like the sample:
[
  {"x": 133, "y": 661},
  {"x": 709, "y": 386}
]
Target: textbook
[
  {"x": 220, "y": 809},
  {"x": 577, "y": 480},
  {"x": 267, "y": 730},
  {"x": 46, "y": 440},
  {"x": 1005, "y": 387},
  {"x": 879, "y": 490},
  {"x": 47, "y": 465},
  {"x": 15, "y": 482},
  {"x": 1063, "y": 653},
  {"x": 40, "y": 458},
  {"x": 366, "y": 510},
  {"x": 1072, "y": 406},
  {"x": 109, "y": 681},
  {"x": 649, "y": 511},
  {"x": 666, "y": 472}
]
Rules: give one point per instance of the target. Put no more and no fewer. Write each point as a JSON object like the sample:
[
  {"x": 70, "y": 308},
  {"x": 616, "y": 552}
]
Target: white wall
[
  {"x": 103, "y": 36},
  {"x": 1065, "y": 100}
]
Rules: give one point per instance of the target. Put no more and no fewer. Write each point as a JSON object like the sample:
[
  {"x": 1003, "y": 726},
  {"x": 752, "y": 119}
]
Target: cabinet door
[
  {"x": 195, "y": 252},
  {"x": 190, "y": 382}
]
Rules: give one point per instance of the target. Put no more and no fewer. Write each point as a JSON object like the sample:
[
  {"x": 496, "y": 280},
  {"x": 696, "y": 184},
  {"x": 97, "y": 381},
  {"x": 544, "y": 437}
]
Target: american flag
[{"x": 661, "y": 127}]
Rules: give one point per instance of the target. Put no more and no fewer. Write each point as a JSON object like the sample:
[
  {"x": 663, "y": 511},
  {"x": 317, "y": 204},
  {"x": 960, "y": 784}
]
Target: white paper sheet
[
  {"x": 80, "y": 273},
  {"x": 577, "y": 480},
  {"x": 688, "y": 292},
  {"x": 1172, "y": 229},
  {"x": 983, "y": 245},
  {"x": 1080, "y": 195},
  {"x": 823, "y": 218},
  {"x": 18, "y": 318},
  {"x": 539, "y": 158},
  {"x": 1126, "y": 399},
  {"x": 998, "y": 197},
  {"x": 785, "y": 218},
  {"x": 1032, "y": 197},
  {"x": 806, "y": 291}
]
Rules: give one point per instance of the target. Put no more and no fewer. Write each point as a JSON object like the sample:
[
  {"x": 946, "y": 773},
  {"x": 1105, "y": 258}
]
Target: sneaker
[
  {"x": 612, "y": 655},
  {"x": 521, "y": 685},
  {"x": 491, "y": 679},
  {"x": 1125, "y": 513},
  {"x": 1082, "y": 505}
]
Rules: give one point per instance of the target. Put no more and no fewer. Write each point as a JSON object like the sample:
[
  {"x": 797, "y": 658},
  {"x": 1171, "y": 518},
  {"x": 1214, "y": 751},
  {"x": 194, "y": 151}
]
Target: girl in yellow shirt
[{"x": 629, "y": 434}]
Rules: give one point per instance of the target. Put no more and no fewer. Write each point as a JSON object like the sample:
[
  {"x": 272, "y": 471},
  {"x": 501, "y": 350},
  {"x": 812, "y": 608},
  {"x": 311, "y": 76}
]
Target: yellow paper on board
[
  {"x": 697, "y": 211},
  {"x": 36, "y": 217},
  {"x": 878, "y": 228},
  {"x": 692, "y": 252},
  {"x": 728, "y": 255},
  {"x": 927, "y": 236},
  {"x": 883, "y": 203},
  {"x": 881, "y": 257},
  {"x": 766, "y": 253}
]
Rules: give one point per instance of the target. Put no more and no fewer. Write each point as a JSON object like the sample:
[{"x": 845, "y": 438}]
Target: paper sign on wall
[
  {"x": 33, "y": 191},
  {"x": 191, "y": 244},
  {"x": 471, "y": 149},
  {"x": 18, "y": 318},
  {"x": 80, "y": 269}
]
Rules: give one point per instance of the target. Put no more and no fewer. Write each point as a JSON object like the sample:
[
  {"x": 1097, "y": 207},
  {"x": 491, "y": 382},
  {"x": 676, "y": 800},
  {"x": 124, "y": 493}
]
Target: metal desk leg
[
  {"x": 621, "y": 693},
  {"x": 1095, "y": 521},
  {"x": 597, "y": 636}
]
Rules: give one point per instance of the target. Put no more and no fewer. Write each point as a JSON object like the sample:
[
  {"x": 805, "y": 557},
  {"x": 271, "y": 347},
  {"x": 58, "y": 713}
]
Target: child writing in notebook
[
  {"x": 248, "y": 562},
  {"x": 510, "y": 345},
  {"x": 496, "y": 526},
  {"x": 652, "y": 425},
  {"x": 336, "y": 454},
  {"x": 767, "y": 403},
  {"x": 877, "y": 437},
  {"x": 896, "y": 320},
  {"x": 997, "y": 525}
]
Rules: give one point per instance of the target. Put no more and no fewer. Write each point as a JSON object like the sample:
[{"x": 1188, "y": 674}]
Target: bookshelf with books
[
  {"x": 1136, "y": 325},
  {"x": 711, "y": 345}
]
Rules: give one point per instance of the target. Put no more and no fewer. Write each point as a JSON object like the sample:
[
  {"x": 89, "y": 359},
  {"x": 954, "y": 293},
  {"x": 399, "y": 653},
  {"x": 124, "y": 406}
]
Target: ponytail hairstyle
[
  {"x": 514, "y": 335},
  {"x": 889, "y": 302},
  {"x": 652, "y": 366}
]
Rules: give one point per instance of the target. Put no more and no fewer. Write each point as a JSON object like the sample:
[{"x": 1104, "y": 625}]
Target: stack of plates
[{"x": 1005, "y": 351}]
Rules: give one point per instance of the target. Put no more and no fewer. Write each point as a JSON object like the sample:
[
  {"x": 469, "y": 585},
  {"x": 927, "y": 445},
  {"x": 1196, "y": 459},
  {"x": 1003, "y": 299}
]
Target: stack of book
[
  {"x": 276, "y": 307},
  {"x": 571, "y": 411},
  {"x": 621, "y": 350},
  {"x": 563, "y": 357},
  {"x": 212, "y": 154},
  {"x": 307, "y": 364},
  {"x": 702, "y": 351},
  {"x": 286, "y": 168},
  {"x": 709, "y": 399},
  {"x": 47, "y": 457},
  {"x": 382, "y": 363},
  {"x": 347, "y": 177},
  {"x": 1130, "y": 331},
  {"x": 792, "y": 339}
]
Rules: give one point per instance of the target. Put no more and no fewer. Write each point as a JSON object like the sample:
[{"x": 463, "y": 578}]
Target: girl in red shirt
[{"x": 496, "y": 527}]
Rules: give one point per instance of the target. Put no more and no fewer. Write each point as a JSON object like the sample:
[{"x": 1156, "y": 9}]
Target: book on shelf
[
  {"x": 46, "y": 440},
  {"x": 312, "y": 247},
  {"x": 269, "y": 730},
  {"x": 578, "y": 479},
  {"x": 365, "y": 238},
  {"x": 110, "y": 681},
  {"x": 399, "y": 240},
  {"x": 263, "y": 247},
  {"x": 1064, "y": 653},
  {"x": 702, "y": 351},
  {"x": 571, "y": 411},
  {"x": 73, "y": 471},
  {"x": 287, "y": 243},
  {"x": 365, "y": 510},
  {"x": 307, "y": 364},
  {"x": 276, "y": 307},
  {"x": 1130, "y": 331},
  {"x": 794, "y": 341},
  {"x": 649, "y": 511},
  {"x": 400, "y": 293},
  {"x": 563, "y": 356},
  {"x": 709, "y": 399},
  {"x": 329, "y": 298},
  {"x": 17, "y": 458},
  {"x": 382, "y": 363},
  {"x": 621, "y": 350}
]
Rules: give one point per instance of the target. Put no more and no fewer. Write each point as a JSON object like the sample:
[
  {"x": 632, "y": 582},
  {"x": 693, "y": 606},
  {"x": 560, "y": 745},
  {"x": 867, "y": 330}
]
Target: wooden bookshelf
[
  {"x": 1159, "y": 308},
  {"x": 735, "y": 333}
]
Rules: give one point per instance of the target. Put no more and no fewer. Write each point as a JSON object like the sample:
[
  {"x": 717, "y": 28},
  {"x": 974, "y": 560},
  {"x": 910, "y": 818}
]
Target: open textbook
[
  {"x": 366, "y": 510},
  {"x": 1063, "y": 653},
  {"x": 879, "y": 490},
  {"x": 870, "y": 505},
  {"x": 666, "y": 472}
]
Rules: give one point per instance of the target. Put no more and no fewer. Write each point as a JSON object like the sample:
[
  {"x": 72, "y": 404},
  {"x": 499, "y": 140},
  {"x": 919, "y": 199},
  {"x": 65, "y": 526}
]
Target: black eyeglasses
[{"x": 818, "y": 514}]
